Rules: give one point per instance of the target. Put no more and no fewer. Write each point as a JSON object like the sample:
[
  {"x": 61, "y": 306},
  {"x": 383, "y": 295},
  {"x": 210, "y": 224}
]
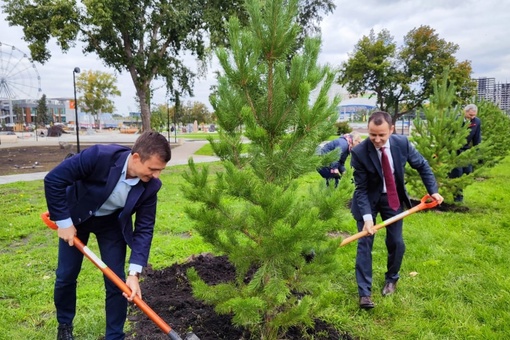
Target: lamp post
[{"x": 76, "y": 70}]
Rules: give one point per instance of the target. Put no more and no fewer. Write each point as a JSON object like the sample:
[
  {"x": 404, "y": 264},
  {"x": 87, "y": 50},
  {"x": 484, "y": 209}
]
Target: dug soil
[
  {"x": 30, "y": 159},
  {"x": 168, "y": 293}
]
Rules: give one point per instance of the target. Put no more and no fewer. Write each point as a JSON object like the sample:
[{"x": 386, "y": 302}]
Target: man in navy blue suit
[
  {"x": 372, "y": 196},
  {"x": 97, "y": 191}
]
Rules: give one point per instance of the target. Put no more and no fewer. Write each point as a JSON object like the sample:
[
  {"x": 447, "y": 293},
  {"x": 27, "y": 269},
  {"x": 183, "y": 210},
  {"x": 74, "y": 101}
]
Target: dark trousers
[
  {"x": 325, "y": 172},
  {"x": 394, "y": 244},
  {"x": 458, "y": 196},
  {"x": 112, "y": 247}
]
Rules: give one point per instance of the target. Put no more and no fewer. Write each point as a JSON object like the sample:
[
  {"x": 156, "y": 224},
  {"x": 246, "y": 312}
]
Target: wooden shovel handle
[{"x": 426, "y": 202}]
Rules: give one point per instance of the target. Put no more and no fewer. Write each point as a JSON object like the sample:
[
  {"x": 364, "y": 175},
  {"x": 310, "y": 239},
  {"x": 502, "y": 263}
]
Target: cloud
[{"x": 478, "y": 27}]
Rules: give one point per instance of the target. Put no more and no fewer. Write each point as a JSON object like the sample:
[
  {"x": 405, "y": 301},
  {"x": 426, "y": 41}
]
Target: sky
[{"x": 480, "y": 28}]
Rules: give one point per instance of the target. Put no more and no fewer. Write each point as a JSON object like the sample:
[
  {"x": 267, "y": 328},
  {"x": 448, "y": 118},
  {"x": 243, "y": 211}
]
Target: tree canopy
[
  {"x": 148, "y": 39},
  {"x": 402, "y": 77},
  {"x": 96, "y": 90}
]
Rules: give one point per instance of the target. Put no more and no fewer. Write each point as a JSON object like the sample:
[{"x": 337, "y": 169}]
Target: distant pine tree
[
  {"x": 255, "y": 211},
  {"x": 495, "y": 132},
  {"x": 438, "y": 136}
]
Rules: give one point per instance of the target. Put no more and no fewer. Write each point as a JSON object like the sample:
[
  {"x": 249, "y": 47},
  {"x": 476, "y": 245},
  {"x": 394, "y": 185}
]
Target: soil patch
[
  {"x": 169, "y": 294},
  {"x": 30, "y": 159}
]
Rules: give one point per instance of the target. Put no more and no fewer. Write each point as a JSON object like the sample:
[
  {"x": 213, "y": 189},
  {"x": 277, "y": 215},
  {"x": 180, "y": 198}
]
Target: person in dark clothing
[
  {"x": 98, "y": 191},
  {"x": 383, "y": 192},
  {"x": 343, "y": 145},
  {"x": 474, "y": 138}
]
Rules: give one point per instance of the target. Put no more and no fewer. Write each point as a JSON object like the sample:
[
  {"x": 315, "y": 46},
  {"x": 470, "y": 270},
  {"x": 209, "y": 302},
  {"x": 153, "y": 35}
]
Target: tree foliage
[
  {"x": 42, "y": 117},
  {"x": 438, "y": 136},
  {"x": 495, "y": 132},
  {"x": 146, "y": 38},
  {"x": 402, "y": 77},
  {"x": 253, "y": 211},
  {"x": 96, "y": 88}
]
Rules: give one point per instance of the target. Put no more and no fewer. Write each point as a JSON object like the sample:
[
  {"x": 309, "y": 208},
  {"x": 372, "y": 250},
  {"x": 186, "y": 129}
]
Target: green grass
[{"x": 461, "y": 289}]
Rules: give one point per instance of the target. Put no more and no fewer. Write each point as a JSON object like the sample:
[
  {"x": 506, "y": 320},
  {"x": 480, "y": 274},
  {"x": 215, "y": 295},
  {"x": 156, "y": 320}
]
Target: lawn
[{"x": 454, "y": 282}]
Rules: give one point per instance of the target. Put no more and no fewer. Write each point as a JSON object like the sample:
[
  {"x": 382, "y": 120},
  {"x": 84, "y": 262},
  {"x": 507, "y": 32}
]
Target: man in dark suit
[
  {"x": 373, "y": 195},
  {"x": 473, "y": 123},
  {"x": 97, "y": 191}
]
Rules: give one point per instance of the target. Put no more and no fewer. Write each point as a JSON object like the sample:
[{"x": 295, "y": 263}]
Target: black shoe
[
  {"x": 366, "y": 303},
  {"x": 65, "y": 332},
  {"x": 389, "y": 288}
]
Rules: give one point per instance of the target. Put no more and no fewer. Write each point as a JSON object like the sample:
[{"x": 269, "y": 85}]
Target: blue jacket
[
  {"x": 343, "y": 151},
  {"x": 80, "y": 185},
  {"x": 368, "y": 176}
]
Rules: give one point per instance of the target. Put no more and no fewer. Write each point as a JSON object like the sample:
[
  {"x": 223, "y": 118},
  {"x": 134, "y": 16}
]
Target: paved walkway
[{"x": 180, "y": 153}]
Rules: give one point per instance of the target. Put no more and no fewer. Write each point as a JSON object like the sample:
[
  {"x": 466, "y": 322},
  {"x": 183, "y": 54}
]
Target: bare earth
[{"x": 30, "y": 159}]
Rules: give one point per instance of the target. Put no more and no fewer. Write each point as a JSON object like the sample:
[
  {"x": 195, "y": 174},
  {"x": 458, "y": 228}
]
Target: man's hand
[
  {"x": 438, "y": 198},
  {"x": 134, "y": 285},
  {"x": 369, "y": 227},
  {"x": 67, "y": 234}
]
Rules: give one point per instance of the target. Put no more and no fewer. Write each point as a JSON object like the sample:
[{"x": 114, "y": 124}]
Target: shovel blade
[{"x": 191, "y": 336}]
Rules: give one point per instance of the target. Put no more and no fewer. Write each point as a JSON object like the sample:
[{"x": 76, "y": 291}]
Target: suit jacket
[
  {"x": 368, "y": 176},
  {"x": 80, "y": 185},
  {"x": 475, "y": 134},
  {"x": 343, "y": 151}
]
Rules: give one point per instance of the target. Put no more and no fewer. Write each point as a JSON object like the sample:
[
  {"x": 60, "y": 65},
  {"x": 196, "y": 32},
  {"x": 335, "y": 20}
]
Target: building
[
  {"x": 497, "y": 93},
  {"x": 60, "y": 111}
]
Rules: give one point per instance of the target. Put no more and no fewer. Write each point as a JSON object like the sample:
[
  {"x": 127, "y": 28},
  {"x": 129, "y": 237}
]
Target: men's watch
[{"x": 133, "y": 273}]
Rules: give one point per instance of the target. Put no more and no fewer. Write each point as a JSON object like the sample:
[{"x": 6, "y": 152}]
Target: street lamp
[{"x": 76, "y": 70}]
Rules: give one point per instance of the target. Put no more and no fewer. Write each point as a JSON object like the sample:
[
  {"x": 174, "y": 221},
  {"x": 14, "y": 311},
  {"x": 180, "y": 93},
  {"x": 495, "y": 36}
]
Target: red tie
[{"x": 391, "y": 189}]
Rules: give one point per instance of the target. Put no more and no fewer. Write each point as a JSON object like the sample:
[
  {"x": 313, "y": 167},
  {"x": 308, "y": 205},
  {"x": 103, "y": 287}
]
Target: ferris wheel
[{"x": 19, "y": 78}]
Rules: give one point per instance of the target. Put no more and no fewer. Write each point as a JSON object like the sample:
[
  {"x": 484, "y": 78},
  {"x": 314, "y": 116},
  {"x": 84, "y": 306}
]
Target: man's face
[
  {"x": 379, "y": 134},
  {"x": 147, "y": 170},
  {"x": 470, "y": 114}
]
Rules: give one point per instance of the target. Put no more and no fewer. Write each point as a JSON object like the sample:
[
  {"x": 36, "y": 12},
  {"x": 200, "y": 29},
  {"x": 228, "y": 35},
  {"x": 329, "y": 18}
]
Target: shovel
[
  {"x": 121, "y": 284},
  {"x": 426, "y": 202}
]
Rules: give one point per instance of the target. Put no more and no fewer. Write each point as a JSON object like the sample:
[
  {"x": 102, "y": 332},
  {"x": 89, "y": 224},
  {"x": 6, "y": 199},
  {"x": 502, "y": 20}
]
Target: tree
[
  {"x": 145, "y": 38},
  {"x": 42, "y": 117},
  {"x": 402, "y": 78},
  {"x": 97, "y": 88},
  {"x": 253, "y": 211},
  {"x": 159, "y": 117},
  {"x": 495, "y": 132},
  {"x": 195, "y": 111},
  {"x": 438, "y": 136}
]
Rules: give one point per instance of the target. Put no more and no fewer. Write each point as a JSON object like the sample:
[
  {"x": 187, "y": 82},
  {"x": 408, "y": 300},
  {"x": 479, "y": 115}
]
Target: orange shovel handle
[
  {"x": 116, "y": 280},
  {"x": 426, "y": 202}
]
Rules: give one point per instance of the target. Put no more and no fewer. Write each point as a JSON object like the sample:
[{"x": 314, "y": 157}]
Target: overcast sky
[{"x": 480, "y": 28}]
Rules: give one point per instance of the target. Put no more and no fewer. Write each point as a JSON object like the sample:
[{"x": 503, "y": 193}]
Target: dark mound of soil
[{"x": 169, "y": 294}]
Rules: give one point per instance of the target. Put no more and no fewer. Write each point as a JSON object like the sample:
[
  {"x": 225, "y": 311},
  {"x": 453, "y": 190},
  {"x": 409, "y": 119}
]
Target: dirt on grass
[
  {"x": 30, "y": 159},
  {"x": 168, "y": 293}
]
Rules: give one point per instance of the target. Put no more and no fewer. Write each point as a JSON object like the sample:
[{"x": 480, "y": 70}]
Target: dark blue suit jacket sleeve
[{"x": 80, "y": 185}]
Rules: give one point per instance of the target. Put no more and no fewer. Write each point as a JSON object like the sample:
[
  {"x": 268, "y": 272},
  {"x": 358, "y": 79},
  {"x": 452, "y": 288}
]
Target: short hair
[
  {"x": 152, "y": 143},
  {"x": 379, "y": 117},
  {"x": 471, "y": 107}
]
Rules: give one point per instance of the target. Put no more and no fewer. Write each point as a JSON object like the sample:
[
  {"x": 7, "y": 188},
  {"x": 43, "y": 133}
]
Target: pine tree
[
  {"x": 42, "y": 112},
  {"x": 438, "y": 136},
  {"x": 255, "y": 210},
  {"x": 495, "y": 132}
]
